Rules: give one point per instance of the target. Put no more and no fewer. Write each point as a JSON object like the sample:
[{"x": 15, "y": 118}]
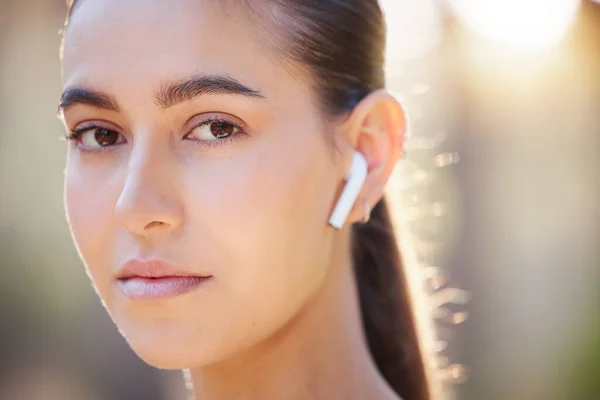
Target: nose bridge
[{"x": 149, "y": 198}]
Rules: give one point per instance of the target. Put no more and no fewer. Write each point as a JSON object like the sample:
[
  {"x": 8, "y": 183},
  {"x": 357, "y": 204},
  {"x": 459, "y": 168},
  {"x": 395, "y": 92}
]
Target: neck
[{"x": 320, "y": 354}]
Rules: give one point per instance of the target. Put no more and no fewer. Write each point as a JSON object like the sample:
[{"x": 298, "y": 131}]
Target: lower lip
[{"x": 139, "y": 288}]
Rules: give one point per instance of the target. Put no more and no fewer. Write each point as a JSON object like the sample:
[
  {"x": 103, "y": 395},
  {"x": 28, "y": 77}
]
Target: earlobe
[{"x": 355, "y": 180}]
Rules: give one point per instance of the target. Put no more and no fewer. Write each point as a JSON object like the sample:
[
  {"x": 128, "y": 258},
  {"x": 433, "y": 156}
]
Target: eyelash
[{"x": 76, "y": 133}]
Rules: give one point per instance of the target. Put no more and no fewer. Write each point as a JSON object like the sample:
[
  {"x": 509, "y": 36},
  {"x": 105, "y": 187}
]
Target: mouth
[
  {"x": 139, "y": 288},
  {"x": 156, "y": 280}
]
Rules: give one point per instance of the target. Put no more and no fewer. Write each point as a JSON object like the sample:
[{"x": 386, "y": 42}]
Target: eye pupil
[
  {"x": 221, "y": 129},
  {"x": 105, "y": 137}
]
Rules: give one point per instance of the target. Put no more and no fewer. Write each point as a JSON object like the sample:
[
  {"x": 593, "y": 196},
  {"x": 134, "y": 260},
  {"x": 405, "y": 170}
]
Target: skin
[{"x": 280, "y": 317}]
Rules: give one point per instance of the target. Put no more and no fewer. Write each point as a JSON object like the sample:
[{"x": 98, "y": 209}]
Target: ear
[{"x": 376, "y": 128}]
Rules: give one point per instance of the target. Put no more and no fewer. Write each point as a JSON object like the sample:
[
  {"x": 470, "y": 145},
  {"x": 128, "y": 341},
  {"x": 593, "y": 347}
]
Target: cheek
[
  {"x": 89, "y": 205},
  {"x": 268, "y": 212}
]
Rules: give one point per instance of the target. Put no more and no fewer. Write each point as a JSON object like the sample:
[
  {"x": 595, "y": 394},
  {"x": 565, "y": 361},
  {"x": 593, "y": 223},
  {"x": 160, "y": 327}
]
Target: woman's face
[{"x": 197, "y": 148}]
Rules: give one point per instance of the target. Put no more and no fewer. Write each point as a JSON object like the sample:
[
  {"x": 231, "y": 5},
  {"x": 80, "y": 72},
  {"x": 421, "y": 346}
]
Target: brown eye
[
  {"x": 96, "y": 138},
  {"x": 214, "y": 130},
  {"x": 222, "y": 129},
  {"x": 105, "y": 137}
]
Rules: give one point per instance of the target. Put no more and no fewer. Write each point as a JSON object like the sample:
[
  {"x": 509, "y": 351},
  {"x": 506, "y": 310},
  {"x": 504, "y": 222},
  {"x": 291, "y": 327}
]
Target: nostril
[{"x": 155, "y": 224}]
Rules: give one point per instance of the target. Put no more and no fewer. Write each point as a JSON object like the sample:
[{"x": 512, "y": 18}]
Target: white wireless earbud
[{"x": 355, "y": 180}]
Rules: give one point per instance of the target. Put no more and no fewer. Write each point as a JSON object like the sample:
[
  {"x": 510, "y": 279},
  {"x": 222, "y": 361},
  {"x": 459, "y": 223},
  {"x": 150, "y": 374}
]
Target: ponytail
[{"x": 385, "y": 305}]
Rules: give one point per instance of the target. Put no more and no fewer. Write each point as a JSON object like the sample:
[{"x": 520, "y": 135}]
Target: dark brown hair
[{"x": 342, "y": 45}]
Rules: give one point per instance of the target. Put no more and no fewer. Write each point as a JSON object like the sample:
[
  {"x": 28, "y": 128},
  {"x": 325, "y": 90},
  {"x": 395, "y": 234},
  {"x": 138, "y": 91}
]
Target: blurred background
[{"x": 498, "y": 203}]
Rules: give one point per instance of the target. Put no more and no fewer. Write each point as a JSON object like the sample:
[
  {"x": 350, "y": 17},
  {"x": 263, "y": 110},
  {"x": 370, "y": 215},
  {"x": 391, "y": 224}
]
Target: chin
[
  {"x": 172, "y": 349},
  {"x": 168, "y": 357},
  {"x": 165, "y": 362}
]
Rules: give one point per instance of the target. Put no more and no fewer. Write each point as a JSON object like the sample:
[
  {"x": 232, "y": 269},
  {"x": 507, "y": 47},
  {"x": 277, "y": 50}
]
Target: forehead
[{"x": 115, "y": 42}]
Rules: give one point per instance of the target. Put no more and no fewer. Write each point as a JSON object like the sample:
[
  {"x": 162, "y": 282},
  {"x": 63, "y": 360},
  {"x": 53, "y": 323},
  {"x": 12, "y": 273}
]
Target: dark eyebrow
[
  {"x": 79, "y": 95},
  {"x": 187, "y": 89},
  {"x": 168, "y": 95}
]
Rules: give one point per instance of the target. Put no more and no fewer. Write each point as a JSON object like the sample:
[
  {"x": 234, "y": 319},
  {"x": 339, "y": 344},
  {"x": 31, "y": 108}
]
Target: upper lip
[{"x": 152, "y": 269}]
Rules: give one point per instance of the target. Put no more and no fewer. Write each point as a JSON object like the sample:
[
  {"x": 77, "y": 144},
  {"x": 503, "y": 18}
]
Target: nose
[{"x": 148, "y": 203}]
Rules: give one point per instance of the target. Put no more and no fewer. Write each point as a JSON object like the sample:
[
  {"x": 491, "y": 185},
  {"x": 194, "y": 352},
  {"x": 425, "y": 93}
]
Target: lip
[{"x": 156, "y": 279}]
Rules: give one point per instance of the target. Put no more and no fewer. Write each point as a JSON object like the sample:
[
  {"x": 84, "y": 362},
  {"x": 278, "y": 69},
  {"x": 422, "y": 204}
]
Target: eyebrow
[
  {"x": 79, "y": 95},
  {"x": 169, "y": 94},
  {"x": 190, "y": 88}
]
